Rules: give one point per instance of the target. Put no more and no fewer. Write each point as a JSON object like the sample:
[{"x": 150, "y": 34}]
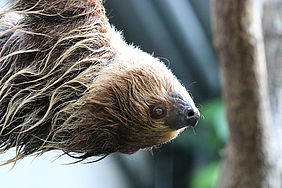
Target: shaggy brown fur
[{"x": 68, "y": 81}]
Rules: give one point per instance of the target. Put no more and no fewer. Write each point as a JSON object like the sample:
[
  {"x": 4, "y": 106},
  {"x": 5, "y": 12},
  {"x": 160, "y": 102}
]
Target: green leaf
[
  {"x": 206, "y": 177},
  {"x": 213, "y": 113}
]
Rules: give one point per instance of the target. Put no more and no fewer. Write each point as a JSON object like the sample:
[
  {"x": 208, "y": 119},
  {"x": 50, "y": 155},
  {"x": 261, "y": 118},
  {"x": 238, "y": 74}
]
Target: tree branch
[{"x": 238, "y": 38}]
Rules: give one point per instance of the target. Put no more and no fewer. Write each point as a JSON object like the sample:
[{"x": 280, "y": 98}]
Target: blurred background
[{"x": 179, "y": 33}]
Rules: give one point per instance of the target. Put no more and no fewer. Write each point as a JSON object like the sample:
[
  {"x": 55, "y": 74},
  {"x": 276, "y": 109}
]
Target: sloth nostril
[
  {"x": 189, "y": 112},
  {"x": 192, "y": 117}
]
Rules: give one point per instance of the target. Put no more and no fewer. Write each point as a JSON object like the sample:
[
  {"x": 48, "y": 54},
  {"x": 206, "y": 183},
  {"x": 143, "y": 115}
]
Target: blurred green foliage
[
  {"x": 206, "y": 177},
  {"x": 213, "y": 135},
  {"x": 214, "y": 114},
  {"x": 212, "y": 128}
]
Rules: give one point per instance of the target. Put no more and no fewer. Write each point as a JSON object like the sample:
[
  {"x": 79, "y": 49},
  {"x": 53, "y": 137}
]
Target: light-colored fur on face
[{"x": 75, "y": 85}]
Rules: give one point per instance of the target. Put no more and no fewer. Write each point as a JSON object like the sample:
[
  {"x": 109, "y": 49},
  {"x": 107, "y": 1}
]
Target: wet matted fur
[{"x": 68, "y": 81}]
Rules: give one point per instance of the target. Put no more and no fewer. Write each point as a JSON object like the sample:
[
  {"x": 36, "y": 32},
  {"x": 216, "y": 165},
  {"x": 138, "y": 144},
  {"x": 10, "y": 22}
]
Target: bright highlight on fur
[{"x": 68, "y": 81}]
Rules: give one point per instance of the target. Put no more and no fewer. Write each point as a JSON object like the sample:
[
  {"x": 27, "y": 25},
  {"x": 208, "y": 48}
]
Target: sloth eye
[{"x": 158, "y": 112}]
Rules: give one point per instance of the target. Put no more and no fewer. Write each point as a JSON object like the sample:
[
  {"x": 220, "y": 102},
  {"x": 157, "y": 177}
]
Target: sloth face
[
  {"x": 178, "y": 114},
  {"x": 145, "y": 103}
]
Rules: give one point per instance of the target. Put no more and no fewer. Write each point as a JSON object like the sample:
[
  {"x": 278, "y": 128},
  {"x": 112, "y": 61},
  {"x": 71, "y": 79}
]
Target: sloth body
[{"x": 68, "y": 81}]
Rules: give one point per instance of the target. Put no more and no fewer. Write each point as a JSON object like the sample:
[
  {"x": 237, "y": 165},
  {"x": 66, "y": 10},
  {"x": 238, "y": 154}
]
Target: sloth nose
[
  {"x": 182, "y": 115},
  {"x": 192, "y": 116}
]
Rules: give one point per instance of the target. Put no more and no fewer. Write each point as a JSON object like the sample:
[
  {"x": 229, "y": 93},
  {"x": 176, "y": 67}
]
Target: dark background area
[{"x": 177, "y": 31}]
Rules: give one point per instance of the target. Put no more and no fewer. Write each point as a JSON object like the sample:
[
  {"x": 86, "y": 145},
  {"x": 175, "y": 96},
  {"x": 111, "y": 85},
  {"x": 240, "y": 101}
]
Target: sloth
[{"x": 70, "y": 82}]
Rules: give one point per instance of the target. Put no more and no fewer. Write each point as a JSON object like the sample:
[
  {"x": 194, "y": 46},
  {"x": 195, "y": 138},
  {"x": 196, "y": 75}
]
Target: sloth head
[
  {"x": 70, "y": 82},
  {"x": 135, "y": 102}
]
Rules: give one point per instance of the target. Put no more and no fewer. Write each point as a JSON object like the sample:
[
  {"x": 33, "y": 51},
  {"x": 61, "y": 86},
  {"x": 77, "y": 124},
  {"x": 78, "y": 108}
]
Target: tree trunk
[{"x": 248, "y": 160}]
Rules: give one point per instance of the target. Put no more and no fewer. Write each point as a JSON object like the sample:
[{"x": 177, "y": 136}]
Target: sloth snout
[{"x": 192, "y": 116}]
